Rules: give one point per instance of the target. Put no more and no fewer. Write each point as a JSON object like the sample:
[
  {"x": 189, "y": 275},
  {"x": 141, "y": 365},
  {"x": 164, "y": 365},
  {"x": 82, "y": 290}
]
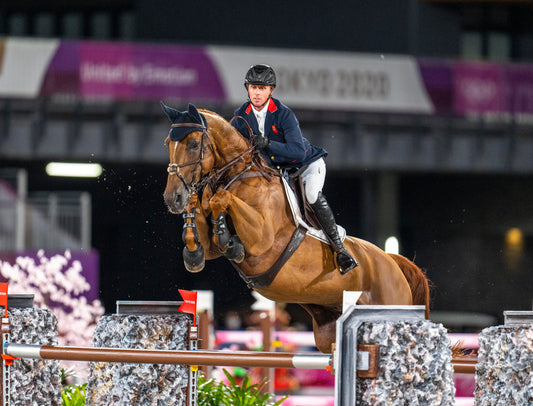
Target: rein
[
  {"x": 257, "y": 161},
  {"x": 215, "y": 177}
]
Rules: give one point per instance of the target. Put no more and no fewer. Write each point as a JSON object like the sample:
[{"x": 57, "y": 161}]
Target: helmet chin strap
[{"x": 262, "y": 105}]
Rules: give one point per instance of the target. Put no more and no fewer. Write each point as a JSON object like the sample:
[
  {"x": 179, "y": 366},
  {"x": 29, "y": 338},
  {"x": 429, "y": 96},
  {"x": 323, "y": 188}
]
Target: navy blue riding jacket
[{"x": 288, "y": 147}]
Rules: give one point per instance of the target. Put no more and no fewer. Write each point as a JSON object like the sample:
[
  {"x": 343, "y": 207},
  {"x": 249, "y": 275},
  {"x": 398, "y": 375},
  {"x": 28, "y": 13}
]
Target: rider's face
[{"x": 259, "y": 94}]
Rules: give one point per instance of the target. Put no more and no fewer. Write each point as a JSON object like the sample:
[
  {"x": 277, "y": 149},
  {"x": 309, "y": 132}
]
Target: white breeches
[{"x": 313, "y": 178}]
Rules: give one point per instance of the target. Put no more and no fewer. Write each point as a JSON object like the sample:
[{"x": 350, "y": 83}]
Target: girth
[{"x": 264, "y": 279}]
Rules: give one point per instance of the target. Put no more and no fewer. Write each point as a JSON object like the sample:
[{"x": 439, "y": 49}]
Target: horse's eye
[{"x": 193, "y": 145}]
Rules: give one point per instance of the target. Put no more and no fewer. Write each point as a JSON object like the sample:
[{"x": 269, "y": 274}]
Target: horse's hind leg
[{"x": 324, "y": 325}]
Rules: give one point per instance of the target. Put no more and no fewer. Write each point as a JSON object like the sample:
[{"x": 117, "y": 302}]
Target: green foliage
[
  {"x": 72, "y": 395},
  {"x": 212, "y": 394}
]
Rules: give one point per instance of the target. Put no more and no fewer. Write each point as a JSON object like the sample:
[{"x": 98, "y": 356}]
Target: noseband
[{"x": 174, "y": 169}]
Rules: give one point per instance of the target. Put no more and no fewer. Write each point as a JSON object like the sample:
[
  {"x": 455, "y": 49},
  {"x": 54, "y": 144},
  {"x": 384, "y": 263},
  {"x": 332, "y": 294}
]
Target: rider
[{"x": 279, "y": 138}]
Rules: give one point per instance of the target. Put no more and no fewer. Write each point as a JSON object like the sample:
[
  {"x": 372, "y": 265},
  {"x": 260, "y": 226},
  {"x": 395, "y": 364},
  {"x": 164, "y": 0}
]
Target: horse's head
[{"x": 191, "y": 155}]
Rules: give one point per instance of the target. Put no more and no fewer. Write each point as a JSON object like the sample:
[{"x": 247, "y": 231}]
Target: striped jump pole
[{"x": 183, "y": 357}]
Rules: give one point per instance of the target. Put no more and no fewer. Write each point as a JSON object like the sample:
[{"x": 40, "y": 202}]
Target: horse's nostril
[{"x": 175, "y": 201}]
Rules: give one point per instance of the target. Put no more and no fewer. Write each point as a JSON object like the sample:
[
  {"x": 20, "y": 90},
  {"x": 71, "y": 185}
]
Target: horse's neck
[{"x": 230, "y": 144}]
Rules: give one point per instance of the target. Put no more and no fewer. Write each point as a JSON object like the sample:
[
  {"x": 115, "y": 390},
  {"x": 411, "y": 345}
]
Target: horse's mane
[
  {"x": 205, "y": 111},
  {"x": 258, "y": 160}
]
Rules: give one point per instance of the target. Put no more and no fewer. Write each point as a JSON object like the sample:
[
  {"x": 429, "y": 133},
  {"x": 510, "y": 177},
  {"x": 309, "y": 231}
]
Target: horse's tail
[{"x": 417, "y": 280}]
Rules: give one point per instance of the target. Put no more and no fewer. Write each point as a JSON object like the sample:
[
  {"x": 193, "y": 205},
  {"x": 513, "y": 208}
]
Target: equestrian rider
[{"x": 279, "y": 138}]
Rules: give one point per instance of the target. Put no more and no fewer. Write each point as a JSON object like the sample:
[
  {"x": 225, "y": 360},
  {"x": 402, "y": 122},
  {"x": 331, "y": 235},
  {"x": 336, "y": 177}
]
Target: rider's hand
[{"x": 261, "y": 142}]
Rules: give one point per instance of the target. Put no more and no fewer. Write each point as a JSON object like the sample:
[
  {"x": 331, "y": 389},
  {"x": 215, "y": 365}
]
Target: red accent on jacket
[{"x": 272, "y": 106}]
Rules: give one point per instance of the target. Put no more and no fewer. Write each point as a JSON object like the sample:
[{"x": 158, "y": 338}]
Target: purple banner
[
  {"x": 129, "y": 71},
  {"x": 132, "y": 72},
  {"x": 438, "y": 80},
  {"x": 521, "y": 79},
  {"x": 475, "y": 87},
  {"x": 479, "y": 88}
]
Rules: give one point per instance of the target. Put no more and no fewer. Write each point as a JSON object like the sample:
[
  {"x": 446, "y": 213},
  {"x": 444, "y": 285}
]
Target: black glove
[{"x": 260, "y": 142}]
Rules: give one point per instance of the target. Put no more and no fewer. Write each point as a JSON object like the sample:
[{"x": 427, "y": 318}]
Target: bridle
[{"x": 174, "y": 169}]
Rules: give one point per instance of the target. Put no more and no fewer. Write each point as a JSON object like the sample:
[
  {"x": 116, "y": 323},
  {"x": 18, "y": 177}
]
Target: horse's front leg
[
  {"x": 229, "y": 245},
  {"x": 256, "y": 234},
  {"x": 195, "y": 236}
]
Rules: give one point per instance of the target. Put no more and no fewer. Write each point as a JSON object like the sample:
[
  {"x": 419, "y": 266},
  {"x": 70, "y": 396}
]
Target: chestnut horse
[{"x": 235, "y": 205}]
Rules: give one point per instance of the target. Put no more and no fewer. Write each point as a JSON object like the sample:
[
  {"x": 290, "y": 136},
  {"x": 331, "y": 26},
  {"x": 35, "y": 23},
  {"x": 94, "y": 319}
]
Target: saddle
[
  {"x": 296, "y": 185},
  {"x": 302, "y": 212}
]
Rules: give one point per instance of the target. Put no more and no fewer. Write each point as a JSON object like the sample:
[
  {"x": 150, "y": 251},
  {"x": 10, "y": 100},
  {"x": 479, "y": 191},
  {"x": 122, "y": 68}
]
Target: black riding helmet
[{"x": 260, "y": 75}]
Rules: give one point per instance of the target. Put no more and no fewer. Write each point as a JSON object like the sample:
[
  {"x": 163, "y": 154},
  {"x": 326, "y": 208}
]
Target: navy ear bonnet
[{"x": 187, "y": 117}]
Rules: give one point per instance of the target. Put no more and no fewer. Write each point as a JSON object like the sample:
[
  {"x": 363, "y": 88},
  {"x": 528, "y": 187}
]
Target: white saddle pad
[{"x": 298, "y": 218}]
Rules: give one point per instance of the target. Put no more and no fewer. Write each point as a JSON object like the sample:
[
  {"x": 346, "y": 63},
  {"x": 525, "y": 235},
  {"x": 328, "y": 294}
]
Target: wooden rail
[
  {"x": 184, "y": 357},
  {"x": 464, "y": 365}
]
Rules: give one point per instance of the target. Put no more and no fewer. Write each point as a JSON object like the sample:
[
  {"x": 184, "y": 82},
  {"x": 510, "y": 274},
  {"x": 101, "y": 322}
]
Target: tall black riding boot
[{"x": 326, "y": 219}]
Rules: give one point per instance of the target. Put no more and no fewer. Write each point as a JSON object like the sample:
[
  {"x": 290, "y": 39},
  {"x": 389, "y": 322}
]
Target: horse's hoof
[
  {"x": 194, "y": 261},
  {"x": 239, "y": 258},
  {"x": 235, "y": 251},
  {"x": 195, "y": 269}
]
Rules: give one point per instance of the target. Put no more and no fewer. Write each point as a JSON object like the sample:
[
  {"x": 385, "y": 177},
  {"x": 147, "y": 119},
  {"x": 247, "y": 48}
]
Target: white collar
[
  {"x": 262, "y": 112},
  {"x": 260, "y": 116}
]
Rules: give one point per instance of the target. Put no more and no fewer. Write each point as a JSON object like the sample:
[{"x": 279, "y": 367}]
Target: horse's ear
[
  {"x": 195, "y": 115},
  {"x": 171, "y": 113}
]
